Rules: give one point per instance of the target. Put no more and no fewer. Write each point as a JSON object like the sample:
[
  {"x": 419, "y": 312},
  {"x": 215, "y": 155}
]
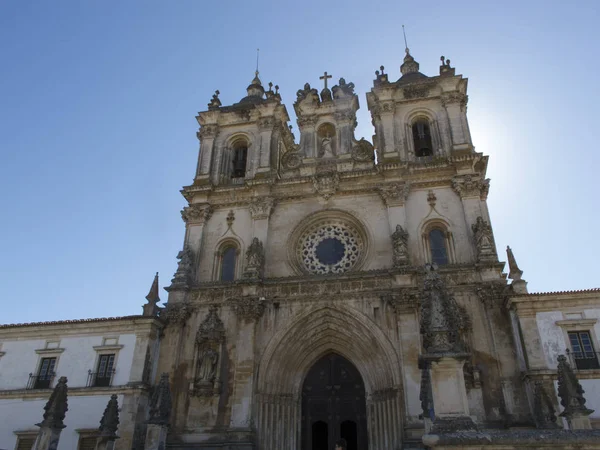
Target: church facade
[
  {"x": 328, "y": 288},
  {"x": 294, "y": 317}
]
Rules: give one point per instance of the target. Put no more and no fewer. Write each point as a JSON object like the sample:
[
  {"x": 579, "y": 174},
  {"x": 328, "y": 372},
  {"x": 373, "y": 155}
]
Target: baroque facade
[
  {"x": 337, "y": 288},
  {"x": 331, "y": 288}
]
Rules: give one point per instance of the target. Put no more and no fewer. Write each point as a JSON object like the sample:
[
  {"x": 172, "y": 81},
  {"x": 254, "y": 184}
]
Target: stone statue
[
  {"x": 255, "y": 259},
  {"x": 399, "y": 243},
  {"x": 326, "y": 147},
  {"x": 483, "y": 240},
  {"x": 343, "y": 89},
  {"x": 207, "y": 365},
  {"x": 184, "y": 267}
]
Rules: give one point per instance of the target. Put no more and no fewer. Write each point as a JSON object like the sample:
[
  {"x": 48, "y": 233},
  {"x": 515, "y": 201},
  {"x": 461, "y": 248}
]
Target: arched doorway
[{"x": 333, "y": 405}]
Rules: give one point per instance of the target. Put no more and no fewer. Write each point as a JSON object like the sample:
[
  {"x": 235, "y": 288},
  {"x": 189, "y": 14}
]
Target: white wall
[
  {"x": 552, "y": 336},
  {"x": 79, "y": 356},
  {"x": 20, "y": 415}
]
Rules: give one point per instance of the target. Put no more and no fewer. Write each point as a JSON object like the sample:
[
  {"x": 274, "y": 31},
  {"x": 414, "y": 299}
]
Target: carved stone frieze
[
  {"x": 394, "y": 194},
  {"x": 484, "y": 240},
  {"x": 261, "y": 207},
  {"x": 211, "y": 330},
  {"x": 492, "y": 295},
  {"x": 342, "y": 116},
  {"x": 454, "y": 97},
  {"x": 291, "y": 160},
  {"x": 208, "y": 131},
  {"x": 468, "y": 186},
  {"x": 326, "y": 184},
  {"x": 196, "y": 213},
  {"x": 308, "y": 121},
  {"x": 412, "y": 92},
  {"x": 406, "y": 301},
  {"x": 176, "y": 313},
  {"x": 247, "y": 308},
  {"x": 266, "y": 123}
]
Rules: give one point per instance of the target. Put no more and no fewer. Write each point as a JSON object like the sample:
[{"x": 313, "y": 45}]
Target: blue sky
[{"x": 97, "y": 128}]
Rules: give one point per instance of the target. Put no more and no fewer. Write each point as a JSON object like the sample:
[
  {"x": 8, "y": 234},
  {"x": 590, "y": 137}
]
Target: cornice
[
  {"x": 547, "y": 374},
  {"x": 85, "y": 327},
  {"x": 73, "y": 391},
  {"x": 557, "y": 301}
]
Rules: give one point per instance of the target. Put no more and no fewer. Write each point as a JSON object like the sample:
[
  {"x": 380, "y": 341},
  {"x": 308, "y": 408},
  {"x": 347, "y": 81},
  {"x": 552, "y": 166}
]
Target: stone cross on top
[{"x": 324, "y": 78}]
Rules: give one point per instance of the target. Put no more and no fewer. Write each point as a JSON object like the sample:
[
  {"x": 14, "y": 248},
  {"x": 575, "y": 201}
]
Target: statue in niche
[
  {"x": 483, "y": 239},
  {"x": 255, "y": 259},
  {"x": 207, "y": 365},
  {"x": 400, "y": 242},
  {"x": 326, "y": 147}
]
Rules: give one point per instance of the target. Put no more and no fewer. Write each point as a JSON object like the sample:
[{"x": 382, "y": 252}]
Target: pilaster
[
  {"x": 207, "y": 136},
  {"x": 248, "y": 311}
]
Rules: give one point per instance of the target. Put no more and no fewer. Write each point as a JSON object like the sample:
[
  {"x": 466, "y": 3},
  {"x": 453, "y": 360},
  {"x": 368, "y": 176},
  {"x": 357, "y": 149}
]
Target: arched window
[
  {"x": 238, "y": 161},
  {"x": 437, "y": 247},
  {"x": 228, "y": 263},
  {"x": 422, "y": 138}
]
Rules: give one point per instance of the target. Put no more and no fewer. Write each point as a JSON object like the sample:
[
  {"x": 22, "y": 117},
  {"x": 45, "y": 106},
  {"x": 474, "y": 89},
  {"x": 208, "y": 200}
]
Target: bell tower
[
  {"x": 241, "y": 142},
  {"x": 419, "y": 117}
]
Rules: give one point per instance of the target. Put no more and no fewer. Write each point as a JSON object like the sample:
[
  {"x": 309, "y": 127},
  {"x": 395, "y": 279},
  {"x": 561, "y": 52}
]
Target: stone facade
[
  {"x": 333, "y": 288},
  {"x": 330, "y": 237}
]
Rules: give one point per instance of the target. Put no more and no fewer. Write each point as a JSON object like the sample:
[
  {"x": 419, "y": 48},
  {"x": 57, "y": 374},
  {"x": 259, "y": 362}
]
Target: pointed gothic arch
[{"x": 293, "y": 351}]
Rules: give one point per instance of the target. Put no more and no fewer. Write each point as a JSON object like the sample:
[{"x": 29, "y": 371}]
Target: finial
[
  {"x": 152, "y": 296},
  {"x": 381, "y": 68},
  {"x": 57, "y": 407},
  {"x": 276, "y": 88},
  {"x": 514, "y": 272},
  {"x": 405, "y": 43},
  {"x": 110, "y": 419},
  {"x": 270, "y": 85},
  {"x": 257, "y": 50}
]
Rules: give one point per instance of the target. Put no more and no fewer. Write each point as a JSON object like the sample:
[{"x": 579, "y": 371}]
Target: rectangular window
[
  {"x": 105, "y": 370},
  {"x": 45, "y": 373},
  {"x": 583, "y": 352}
]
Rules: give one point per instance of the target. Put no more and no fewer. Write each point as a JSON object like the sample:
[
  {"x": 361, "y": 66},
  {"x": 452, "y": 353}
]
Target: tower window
[
  {"x": 240, "y": 155},
  {"x": 228, "y": 262},
  {"x": 422, "y": 138},
  {"x": 437, "y": 246}
]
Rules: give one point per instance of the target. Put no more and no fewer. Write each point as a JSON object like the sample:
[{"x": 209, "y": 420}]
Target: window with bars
[
  {"x": 582, "y": 350},
  {"x": 43, "y": 379},
  {"x": 105, "y": 370}
]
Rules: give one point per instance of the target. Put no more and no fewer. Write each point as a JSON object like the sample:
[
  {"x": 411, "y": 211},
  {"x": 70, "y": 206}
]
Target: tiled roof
[
  {"x": 75, "y": 321},
  {"x": 580, "y": 291}
]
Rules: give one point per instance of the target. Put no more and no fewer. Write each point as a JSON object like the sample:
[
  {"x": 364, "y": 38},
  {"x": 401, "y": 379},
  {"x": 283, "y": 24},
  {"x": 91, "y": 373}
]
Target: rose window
[{"x": 334, "y": 246}]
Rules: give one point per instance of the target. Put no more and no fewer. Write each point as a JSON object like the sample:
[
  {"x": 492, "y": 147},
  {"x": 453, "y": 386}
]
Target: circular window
[{"x": 331, "y": 245}]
